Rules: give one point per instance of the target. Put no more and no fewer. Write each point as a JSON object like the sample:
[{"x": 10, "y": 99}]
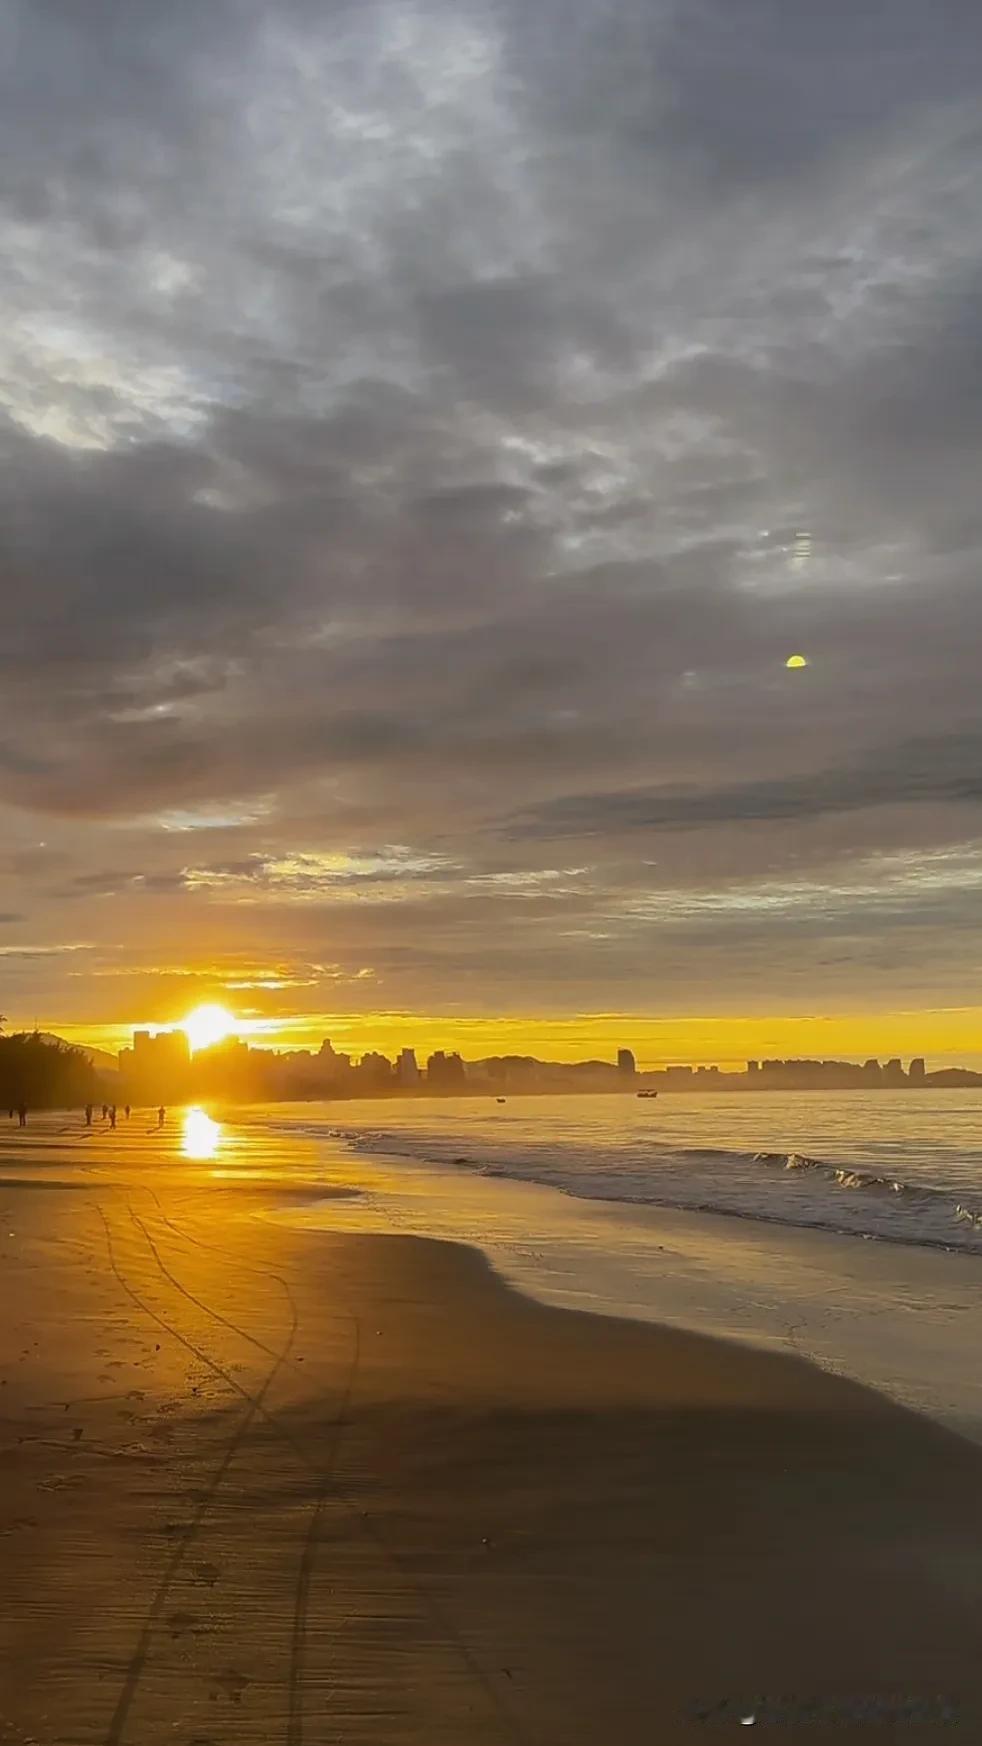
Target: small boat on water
[
  {"x": 500, "y": 1100},
  {"x": 646, "y": 1094}
]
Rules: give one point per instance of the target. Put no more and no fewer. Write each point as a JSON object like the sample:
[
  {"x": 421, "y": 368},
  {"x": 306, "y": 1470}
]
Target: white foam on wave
[
  {"x": 903, "y": 1317},
  {"x": 777, "y": 1187}
]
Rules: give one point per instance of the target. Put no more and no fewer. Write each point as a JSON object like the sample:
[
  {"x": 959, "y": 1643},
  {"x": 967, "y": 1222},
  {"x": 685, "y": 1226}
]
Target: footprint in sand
[
  {"x": 233, "y": 1684},
  {"x": 208, "y": 1573},
  {"x": 22, "y": 1525},
  {"x": 179, "y": 1624}
]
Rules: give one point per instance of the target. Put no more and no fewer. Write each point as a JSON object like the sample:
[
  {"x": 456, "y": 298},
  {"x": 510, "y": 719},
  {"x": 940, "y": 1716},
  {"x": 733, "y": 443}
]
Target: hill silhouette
[{"x": 100, "y": 1059}]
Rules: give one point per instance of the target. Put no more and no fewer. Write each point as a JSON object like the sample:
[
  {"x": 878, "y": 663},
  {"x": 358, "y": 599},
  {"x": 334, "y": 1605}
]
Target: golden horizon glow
[
  {"x": 948, "y": 1036},
  {"x": 208, "y": 1024}
]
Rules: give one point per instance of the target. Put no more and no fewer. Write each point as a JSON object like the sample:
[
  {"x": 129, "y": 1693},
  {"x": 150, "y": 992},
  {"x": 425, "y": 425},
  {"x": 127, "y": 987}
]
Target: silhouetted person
[
  {"x": 105, "y": 1111},
  {"x": 88, "y": 1115},
  {"x": 161, "y": 1113},
  {"x": 22, "y": 1115},
  {"x": 126, "y": 1111},
  {"x": 112, "y": 1116},
  {"x": 11, "y": 1114}
]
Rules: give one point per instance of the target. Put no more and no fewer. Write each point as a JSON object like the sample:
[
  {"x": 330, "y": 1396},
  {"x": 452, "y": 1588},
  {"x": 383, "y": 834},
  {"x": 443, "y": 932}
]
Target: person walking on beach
[
  {"x": 105, "y": 1111},
  {"x": 161, "y": 1113},
  {"x": 88, "y": 1115},
  {"x": 112, "y": 1116},
  {"x": 126, "y": 1111},
  {"x": 22, "y": 1115}
]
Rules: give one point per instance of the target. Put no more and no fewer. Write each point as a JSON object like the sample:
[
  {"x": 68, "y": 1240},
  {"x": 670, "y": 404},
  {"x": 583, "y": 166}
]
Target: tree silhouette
[{"x": 44, "y": 1074}]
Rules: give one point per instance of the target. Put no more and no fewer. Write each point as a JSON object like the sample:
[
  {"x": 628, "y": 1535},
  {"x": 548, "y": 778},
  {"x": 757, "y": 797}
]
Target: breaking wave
[{"x": 778, "y": 1187}]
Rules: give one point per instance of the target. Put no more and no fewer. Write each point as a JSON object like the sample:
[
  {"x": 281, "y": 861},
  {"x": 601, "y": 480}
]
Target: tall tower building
[{"x": 407, "y": 1071}]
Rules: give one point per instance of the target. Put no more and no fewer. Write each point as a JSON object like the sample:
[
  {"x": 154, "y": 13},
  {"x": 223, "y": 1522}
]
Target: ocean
[
  {"x": 897, "y": 1166},
  {"x": 845, "y": 1229}
]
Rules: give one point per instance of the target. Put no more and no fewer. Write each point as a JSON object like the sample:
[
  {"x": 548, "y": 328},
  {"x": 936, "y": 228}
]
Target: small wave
[
  {"x": 867, "y": 1182},
  {"x": 792, "y": 1188}
]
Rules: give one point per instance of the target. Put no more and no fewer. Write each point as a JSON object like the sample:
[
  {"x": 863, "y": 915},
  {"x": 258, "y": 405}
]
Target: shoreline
[
  {"x": 362, "y": 1485},
  {"x": 932, "y": 1245},
  {"x": 720, "y": 1157},
  {"x": 905, "y": 1320},
  {"x": 901, "y": 1318}
]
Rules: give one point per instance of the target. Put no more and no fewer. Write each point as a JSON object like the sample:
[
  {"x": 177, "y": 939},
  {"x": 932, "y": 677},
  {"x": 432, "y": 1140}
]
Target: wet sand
[{"x": 259, "y": 1484}]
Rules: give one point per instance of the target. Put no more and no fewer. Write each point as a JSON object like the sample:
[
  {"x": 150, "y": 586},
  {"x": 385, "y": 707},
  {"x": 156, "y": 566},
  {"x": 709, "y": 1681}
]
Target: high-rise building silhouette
[
  {"x": 445, "y": 1072},
  {"x": 157, "y": 1066},
  {"x": 407, "y": 1071}
]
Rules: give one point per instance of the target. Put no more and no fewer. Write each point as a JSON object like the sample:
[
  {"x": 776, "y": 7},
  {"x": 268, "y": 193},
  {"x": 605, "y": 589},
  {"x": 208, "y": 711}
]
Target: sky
[{"x": 428, "y": 432}]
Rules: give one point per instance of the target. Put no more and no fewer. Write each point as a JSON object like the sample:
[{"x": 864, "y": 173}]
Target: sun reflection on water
[{"x": 202, "y": 1137}]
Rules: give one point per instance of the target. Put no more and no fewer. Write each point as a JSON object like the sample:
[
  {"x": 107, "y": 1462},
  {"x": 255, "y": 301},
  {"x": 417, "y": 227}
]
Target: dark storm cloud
[
  {"x": 945, "y": 769},
  {"x": 437, "y": 427}
]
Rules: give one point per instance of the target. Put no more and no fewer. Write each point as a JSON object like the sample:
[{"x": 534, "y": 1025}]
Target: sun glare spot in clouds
[{"x": 207, "y": 1025}]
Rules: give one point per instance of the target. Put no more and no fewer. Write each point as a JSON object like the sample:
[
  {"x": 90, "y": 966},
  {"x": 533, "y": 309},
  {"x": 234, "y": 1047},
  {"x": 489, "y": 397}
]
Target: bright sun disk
[{"x": 207, "y": 1025}]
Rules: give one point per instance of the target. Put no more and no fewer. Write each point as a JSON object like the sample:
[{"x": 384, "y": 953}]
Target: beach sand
[{"x": 261, "y": 1484}]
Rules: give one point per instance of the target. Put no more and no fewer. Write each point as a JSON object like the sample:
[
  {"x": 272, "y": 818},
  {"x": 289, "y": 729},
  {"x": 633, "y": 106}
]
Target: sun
[{"x": 207, "y": 1025}]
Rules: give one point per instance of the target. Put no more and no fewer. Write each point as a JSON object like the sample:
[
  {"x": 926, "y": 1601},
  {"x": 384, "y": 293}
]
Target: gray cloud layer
[{"x": 435, "y": 427}]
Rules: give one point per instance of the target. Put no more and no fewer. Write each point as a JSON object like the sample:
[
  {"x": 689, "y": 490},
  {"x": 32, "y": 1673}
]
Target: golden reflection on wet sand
[{"x": 201, "y": 1137}]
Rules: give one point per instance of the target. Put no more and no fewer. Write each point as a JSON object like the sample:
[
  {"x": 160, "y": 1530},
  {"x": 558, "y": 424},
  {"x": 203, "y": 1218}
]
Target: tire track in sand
[
  {"x": 138, "y": 1659},
  {"x": 323, "y": 1476},
  {"x": 442, "y": 1624}
]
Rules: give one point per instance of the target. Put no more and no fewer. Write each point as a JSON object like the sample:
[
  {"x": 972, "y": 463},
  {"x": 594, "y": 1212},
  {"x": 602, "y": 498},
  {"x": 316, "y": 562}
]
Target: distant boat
[
  {"x": 646, "y": 1094},
  {"x": 499, "y": 1100}
]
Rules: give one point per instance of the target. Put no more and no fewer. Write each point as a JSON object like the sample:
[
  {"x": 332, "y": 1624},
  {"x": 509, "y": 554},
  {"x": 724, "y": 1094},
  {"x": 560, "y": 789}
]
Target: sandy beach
[{"x": 267, "y": 1484}]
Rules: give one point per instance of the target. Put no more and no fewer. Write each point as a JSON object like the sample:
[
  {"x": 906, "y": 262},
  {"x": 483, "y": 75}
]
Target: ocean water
[
  {"x": 695, "y": 1211},
  {"x": 899, "y": 1166},
  {"x": 841, "y": 1229}
]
